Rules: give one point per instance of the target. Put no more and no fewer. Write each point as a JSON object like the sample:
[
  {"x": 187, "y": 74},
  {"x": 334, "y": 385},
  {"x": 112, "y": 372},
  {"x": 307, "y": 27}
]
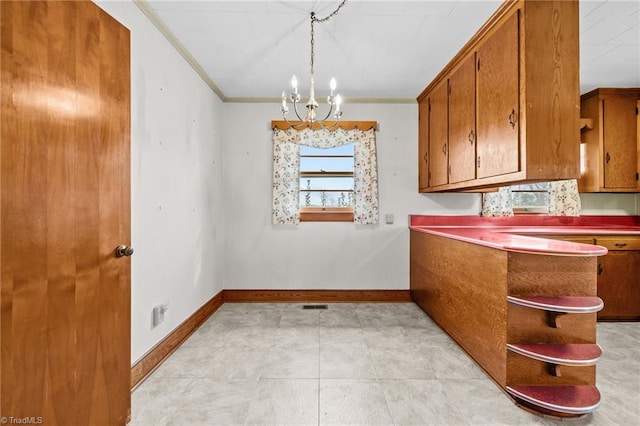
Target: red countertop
[{"x": 508, "y": 233}]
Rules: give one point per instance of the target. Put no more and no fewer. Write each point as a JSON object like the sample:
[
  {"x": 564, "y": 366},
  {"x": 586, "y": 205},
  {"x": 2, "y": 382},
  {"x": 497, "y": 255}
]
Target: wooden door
[
  {"x": 620, "y": 142},
  {"x": 64, "y": 207},
  {"x": 462, "y": 122},
  {"x": 497, "y": 116},
  {"x": 438, "y": 136},
  {"x": 619, "y": 285},
  {"x": 423, "y": 144}
]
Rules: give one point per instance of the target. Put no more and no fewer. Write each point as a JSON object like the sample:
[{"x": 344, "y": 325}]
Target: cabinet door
[
  {"x": 438, "y": 136},
  {"x": 619, "y": 285},
  {"x": 423, "y": 144},
  {"x": 497, "y": 102},
  {"x": 620, "y": 142},
  {"x": 462, "y": 122}
]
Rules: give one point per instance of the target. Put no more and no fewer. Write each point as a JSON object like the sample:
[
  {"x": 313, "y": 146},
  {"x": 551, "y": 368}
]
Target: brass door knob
[{"x": 123, "y": 250}]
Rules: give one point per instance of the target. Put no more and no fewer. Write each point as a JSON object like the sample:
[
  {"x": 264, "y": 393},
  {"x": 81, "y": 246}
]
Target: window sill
[
  {"x": 328, "y": 214},
  {"x": 531, "y": 210}
]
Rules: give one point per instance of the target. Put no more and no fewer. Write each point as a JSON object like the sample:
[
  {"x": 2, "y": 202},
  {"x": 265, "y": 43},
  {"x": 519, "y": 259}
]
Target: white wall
[
  {"x": 259, "y": 255},
  {"x": 176, "y": 157}
]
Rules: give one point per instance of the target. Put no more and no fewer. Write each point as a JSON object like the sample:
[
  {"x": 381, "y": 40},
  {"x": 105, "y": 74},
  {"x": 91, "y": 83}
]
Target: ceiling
[{"x": 377, "y": 50}]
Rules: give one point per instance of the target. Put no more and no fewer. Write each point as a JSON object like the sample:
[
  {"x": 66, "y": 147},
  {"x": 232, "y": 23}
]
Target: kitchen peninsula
[{"x": 523, "y": 307}]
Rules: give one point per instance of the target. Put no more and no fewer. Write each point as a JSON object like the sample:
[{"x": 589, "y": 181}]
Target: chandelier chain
[{"x": 314, "y": 20}]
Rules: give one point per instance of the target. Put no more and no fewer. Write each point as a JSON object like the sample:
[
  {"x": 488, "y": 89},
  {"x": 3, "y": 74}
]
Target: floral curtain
[
  {"x": 564, "y": 199},
  {"x": 497, "y": 203},
  {"x": 286, "y": 168}
]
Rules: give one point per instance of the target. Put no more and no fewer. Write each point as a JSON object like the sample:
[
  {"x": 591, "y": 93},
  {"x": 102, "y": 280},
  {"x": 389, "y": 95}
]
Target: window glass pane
[
  {"x": 326, "y": 199},
  {"x": 326, "y": 164},
  {"x": 340, "y": 150},
  {"x": 530, "y": 196},
  {"x": 326, "y": 183},
  {"x": 530, "y": 199}
]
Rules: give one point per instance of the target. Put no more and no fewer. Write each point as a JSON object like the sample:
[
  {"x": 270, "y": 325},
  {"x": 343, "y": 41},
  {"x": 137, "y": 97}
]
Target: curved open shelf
[
  {"x": 564, "y": 304},
  {"x": 575, "y": 400},
  {"x": 577, "y": 354}
]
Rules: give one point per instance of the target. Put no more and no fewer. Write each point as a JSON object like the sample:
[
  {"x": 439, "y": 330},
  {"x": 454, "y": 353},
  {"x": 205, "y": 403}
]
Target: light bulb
[
  {"x": 332, "y": 85},
  {"x": 294, "y": 84},
  {"x": 338, "y": 102}
]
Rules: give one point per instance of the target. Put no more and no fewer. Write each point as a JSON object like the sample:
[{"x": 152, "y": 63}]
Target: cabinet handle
[
  {"x": 478, "y": 161},
  {"x": 426, "y": 160},
  {"x": 512, "y": 119},
  {"x": 607, "y": 158},
  {"x": 600, "y": 268},
  {"x": 472, "y": 137},
  {"x": 444, "y": 149},
  {"x": 620, "y": 245}
]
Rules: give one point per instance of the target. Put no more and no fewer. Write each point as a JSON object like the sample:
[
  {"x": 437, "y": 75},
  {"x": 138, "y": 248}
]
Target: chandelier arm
[
  {"x": 329, "y": 113},
  {"x": 295, "y": 109},
  {"x": 298, "y": 126}
]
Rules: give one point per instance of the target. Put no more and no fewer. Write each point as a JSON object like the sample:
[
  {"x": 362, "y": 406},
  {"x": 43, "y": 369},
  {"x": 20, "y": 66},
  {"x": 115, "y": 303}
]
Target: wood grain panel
[
  {"x": 497, "y": 102},
  {"x": 466, "y": 298},
  {"x": 438, "y": 136},
  {"x": 462, "y": 122},
  {"x": 620, "y": 155},
  {"x": 551, "y": 40},
  {"x": 526, "y": 325},
  {"x": 326, "y": 296},
  {"x": 88, "y": 255},
  {"x": 538, "y": 275},
  {"x": 161, "y": 351},
  {"x": 423, "y": 146},
  {"x": 527, "y": 371},
  {"x": 619, "y": 285},
  {"x": 24, "y": 211},
  {"x": 64, "y": 207},
  {"x": 61, "y": 146}
]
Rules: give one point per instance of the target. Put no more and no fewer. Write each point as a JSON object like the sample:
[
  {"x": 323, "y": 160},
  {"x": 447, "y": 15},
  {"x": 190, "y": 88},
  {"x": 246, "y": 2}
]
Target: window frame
[
  {"x": 326, "y": 214},
  {"x": 531, "y": 210}
]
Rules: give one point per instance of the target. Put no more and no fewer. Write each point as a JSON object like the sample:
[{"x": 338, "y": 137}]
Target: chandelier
[{"x": 334, "y": 100}]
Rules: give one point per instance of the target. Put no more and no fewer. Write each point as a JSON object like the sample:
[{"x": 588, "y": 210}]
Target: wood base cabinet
[
  {"x": 507, "y": 103},
  {"x": 618, "y": 274},
  {"x": 610, "y": 149},
  {"x": 619, "y": 278}
]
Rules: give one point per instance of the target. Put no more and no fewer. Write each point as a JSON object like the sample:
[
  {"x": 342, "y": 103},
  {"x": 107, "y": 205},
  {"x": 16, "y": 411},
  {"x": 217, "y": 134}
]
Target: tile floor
[{"x": 353, "y": 364}]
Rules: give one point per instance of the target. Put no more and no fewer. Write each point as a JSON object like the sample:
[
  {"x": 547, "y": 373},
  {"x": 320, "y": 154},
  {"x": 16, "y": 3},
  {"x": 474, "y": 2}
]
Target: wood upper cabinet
[
  {"x": 423, "y": 145},
  {"x": 523, "y": 89},
  {"x": 610, "y": 159},
  {"x": 438, "y": 136},
  {"x": 498, "y": 107},
  {"x": 462, "y": 122}
]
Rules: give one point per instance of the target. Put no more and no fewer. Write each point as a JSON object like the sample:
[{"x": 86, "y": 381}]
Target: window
[
  {"x": 531, "y": 198},
  {"x": 557, "y": 198},
  {"x": 290, "y": 187},
  {"x": 326, "y": 184}
]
